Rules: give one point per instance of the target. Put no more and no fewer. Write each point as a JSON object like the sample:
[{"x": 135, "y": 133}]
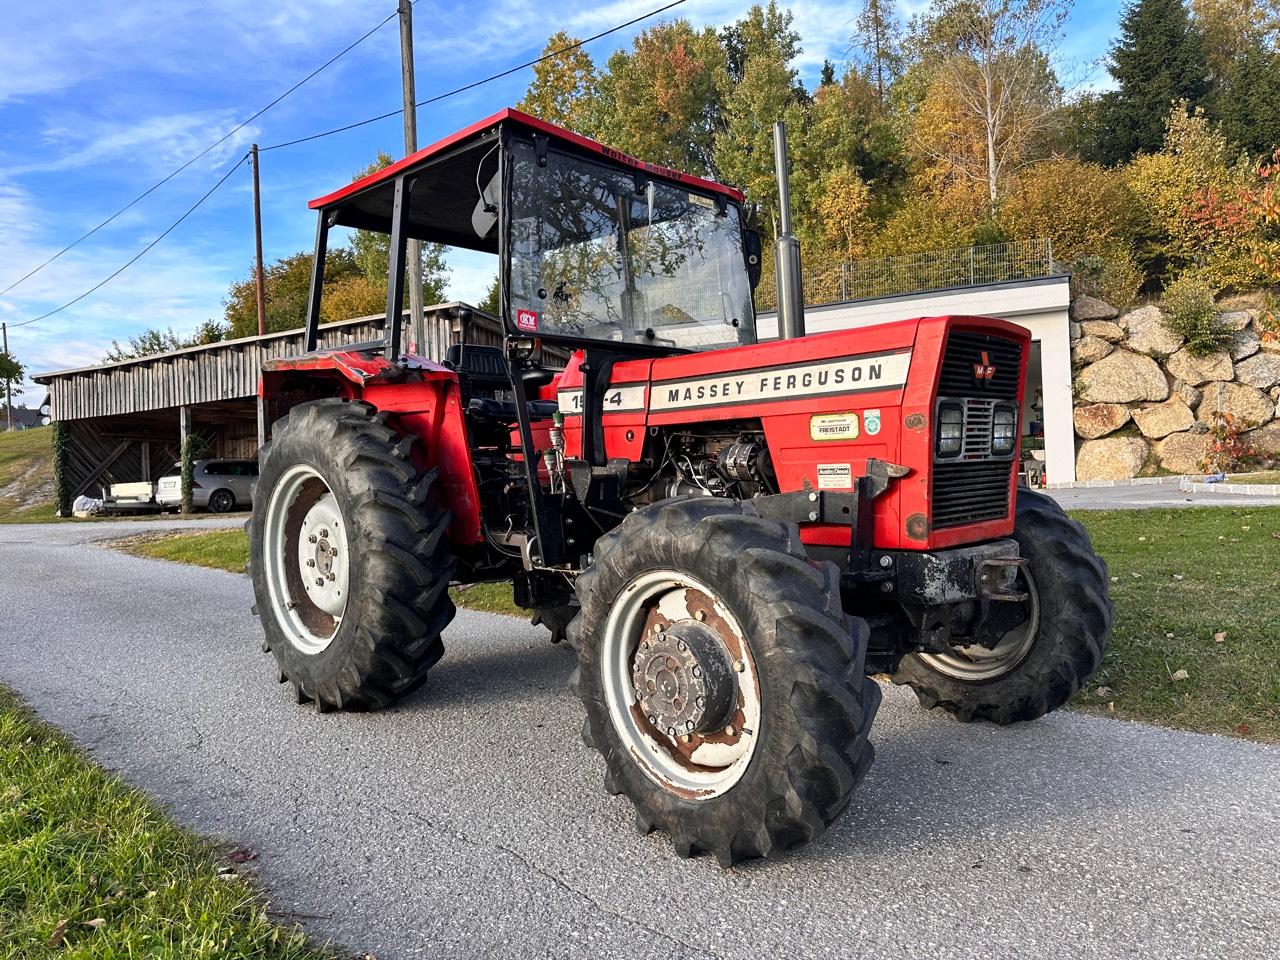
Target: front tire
[
  {"x": 722, "y": 681},
  {"x": 1041, "y": 665},
  {"x": 349, "y": 558}
]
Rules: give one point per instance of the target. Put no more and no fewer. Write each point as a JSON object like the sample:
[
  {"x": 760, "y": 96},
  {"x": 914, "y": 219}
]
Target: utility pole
[
  {"x": 8, "y": 386},
  {"x": 258, "y": 281},
  {"x": 413, "y": 252}
]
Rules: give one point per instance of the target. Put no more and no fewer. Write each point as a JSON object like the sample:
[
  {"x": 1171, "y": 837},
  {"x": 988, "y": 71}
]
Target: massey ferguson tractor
[{"x": 734, "y": 532}]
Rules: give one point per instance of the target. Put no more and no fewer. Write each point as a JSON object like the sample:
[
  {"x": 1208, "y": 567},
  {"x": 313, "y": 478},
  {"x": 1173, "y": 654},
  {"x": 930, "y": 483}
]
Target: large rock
[
  {"x": 1148, "y": 333},
  {"x": 1197, "y": 370},
  {"x": 1182, "y": 452},
  {"x": 1247, "y": 405},
  {"x": 1099, "y": 419},
  {"x": 1122, "y": 377},
  {"x": 1091, "y": 308},
  {"x": 1162, "y": 419},
  {"x": 1186, "y": 393},
  {"x": 1089, "y": 350},
  {"x": 1114, "y": 458},
  {"x": 1236, "y": 319},
  {"x": 1104, "y": 329},
  {"x": 1266, "y": 440},
  {"x": 1243, "y": 343},
  {"x": 1262, "y": 370}
]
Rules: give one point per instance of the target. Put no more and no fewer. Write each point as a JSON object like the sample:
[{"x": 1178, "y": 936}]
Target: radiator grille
[
  {"x": 964, "y": 350},
  {"x": 974, "y": 486}
]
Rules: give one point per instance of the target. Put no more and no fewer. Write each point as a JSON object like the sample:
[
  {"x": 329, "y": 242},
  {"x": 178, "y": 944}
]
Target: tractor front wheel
[
  {"x": 348, "y": 557},
  {"x": 722, "y": 681},
  {"x": 1040, "y": 664}
]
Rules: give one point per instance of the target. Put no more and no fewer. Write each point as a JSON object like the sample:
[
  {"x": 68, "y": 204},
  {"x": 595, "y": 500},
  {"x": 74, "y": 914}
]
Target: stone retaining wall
[{"x": 1144, "y": 404}]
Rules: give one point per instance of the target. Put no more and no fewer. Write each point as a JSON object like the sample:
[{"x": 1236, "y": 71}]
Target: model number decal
[
  {"x": 616, "y": 400},
  {"x": 842, "y": 375}
]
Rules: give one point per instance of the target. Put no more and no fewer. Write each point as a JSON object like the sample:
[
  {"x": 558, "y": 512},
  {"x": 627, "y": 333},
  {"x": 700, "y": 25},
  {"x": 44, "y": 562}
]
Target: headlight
[
  {"x": 950, "y": 429},
  {"x": 1003, "y": 430}
]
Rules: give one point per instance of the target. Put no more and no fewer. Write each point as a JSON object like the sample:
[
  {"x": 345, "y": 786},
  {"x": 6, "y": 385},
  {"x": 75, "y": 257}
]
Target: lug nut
[
  {"x": 697, "y": 672},
  {"x": 311, "y": 563},
  {"x": 886, "y": 587},
  {"x": 333, "y": 577},
  {"x": 319, "y": 581},
  {"x": 700, "y": 702},
  {"x": 681, "y": 646},
  {"x": 671, "y": 731},
  {"x": 739, "y": 666},
  {"x": 312, "y": 539}
]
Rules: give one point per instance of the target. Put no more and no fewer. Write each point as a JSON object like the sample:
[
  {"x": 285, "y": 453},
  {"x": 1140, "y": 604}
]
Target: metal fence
[{"x": 934, "y": 270}]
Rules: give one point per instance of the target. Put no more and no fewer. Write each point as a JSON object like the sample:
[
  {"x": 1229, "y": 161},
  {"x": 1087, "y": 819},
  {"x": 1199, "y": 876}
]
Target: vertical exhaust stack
[{"x": 787, "y": 259}]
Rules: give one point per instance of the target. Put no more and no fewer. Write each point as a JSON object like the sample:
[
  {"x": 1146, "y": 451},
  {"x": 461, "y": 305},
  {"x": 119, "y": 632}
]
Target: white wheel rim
[
  {"x": 307, "y": 563},
  {"x": 977, "y": 663},
  {"x": 691, "y": 766}
]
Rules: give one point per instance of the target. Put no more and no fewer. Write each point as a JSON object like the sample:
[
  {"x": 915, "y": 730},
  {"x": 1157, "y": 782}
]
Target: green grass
[
  {"x": 90, "y": 868},
  {"x": 26, "y": 476},
  {"x": 1264, "y": 476},
  {"x": 1180, "y": 578},
  {"x": 1229, "y": 564}
]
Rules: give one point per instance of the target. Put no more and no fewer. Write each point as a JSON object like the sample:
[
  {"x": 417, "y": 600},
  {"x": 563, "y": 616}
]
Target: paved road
[
  {"x": 1149, "y": 495},
  {"x": 470, "y": 821}
]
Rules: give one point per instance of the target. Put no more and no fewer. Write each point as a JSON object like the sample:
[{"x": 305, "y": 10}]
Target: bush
[
  {"x": 1114, "y": 277},
  {"x": 1190, "y": 312}
]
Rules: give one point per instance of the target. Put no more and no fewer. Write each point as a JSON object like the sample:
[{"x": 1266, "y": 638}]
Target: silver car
[{"x": 219, "y": 485}]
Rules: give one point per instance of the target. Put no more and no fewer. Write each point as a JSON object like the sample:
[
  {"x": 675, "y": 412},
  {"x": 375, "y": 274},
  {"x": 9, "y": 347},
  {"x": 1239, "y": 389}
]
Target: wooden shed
[{"x": 126, "y": 421}]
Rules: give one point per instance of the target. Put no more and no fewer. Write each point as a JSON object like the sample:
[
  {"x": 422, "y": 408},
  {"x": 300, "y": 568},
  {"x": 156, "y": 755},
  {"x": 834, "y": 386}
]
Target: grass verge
[
  {"x": 91, "y": 868},
  {"x": 1180, "y": 578},
  {"x": 26, "y": 476}
]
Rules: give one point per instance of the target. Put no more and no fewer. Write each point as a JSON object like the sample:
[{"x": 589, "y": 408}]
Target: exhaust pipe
[{"x": 787, "y": 260}]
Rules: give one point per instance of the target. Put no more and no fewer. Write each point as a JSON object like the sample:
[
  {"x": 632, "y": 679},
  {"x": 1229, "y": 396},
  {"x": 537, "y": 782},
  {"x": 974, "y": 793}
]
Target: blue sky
[{"x": 98, "y": 101}]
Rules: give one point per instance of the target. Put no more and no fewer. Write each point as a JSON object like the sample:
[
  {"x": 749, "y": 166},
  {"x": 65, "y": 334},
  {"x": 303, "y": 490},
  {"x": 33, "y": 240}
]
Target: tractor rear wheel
[
  {"x": 1040, "y": 664},
  {"x": 723, "y": 683},
  {"x": 348, "y": 557}
]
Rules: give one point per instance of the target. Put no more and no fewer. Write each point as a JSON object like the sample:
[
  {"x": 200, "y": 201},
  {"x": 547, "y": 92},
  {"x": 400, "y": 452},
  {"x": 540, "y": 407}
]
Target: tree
[
  {"x": 991, "y": 97},
  {"x": 1240, "y": 40},
  {"x": 878, "y": 41},
  {"x": 828, "y": 76},
  {"x": 563, "y": 86},
  {"x": 489, "y": 303},
  {"x": 372, "y": 252},
  {"x": 761, "y": 48},
  {"x": 287, "y": 284},
  {"x": 661, "y": 100},
  {"x": 150, "y": 342},
  {"x": 1158, "y": 60},
  {"x": 12, "y": 373}
]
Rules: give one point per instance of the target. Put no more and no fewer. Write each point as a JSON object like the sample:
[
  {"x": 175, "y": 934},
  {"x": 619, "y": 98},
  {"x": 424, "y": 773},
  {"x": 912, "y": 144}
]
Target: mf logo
[{"x": 984, "y": 370}]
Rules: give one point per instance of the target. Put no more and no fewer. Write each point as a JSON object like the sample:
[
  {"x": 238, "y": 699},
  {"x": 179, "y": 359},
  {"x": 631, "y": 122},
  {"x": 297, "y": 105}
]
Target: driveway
[
  {"x": 470, "y": 821},
  {"x": 1151, "y": 495}
]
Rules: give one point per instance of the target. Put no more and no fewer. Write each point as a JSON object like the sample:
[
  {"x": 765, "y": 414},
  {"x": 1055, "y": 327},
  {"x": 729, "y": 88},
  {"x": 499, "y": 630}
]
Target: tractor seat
[{"x": 490, "y": 410}]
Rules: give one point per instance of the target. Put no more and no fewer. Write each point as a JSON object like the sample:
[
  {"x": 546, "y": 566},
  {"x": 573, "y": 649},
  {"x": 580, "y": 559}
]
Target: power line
[
  {"x": 221, "y": 140},
  {"x": 477, "y": 83},
  {"x": 138, "y": 256}
]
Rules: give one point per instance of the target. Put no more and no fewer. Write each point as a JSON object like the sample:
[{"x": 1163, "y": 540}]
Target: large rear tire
[
  {"x": 723, "y": 683},
  {"x": 349, "y": 557},
  {"x": 1040, "y": 665}
]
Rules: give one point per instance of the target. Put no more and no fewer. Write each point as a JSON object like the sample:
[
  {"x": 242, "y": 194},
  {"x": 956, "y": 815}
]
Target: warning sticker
[
  {"x": 835, "y": 476},
  {"x": 527, "y": 320},
  {"x": 871, "y": 420},
  {"x": 833, "y": 426}
]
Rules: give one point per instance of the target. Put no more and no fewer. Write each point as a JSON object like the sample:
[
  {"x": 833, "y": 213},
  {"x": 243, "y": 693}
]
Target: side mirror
[{"x": 751, "y": 250}]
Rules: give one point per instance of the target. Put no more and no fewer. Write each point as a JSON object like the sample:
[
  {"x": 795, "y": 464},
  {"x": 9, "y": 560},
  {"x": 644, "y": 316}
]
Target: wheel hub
[{"x": 683, "y": 679}]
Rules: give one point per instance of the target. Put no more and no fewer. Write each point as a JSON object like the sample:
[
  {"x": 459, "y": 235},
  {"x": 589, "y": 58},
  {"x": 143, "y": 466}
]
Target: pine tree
[
  {"x": 1159, "y": 59},
  {"x": 877, "y": 37}
]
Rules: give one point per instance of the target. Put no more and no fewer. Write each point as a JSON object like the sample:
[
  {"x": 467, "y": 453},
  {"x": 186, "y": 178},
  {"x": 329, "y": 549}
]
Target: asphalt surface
[
  {"x": 470, "y": 821},
  {"x": 1150, "y": 496}
]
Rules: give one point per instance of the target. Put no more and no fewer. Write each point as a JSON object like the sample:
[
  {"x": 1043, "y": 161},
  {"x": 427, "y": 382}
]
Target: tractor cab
[{"x": 591, "y": 245}]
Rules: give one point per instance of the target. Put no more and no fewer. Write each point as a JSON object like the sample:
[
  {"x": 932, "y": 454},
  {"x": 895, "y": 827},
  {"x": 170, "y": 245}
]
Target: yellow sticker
[{"x": 833, "y": 426}]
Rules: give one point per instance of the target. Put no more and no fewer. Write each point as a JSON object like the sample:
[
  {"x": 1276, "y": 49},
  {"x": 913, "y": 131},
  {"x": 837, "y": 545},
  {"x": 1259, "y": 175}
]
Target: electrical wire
[
  {"x": 221, "y": 140},
  {"x": 476, "y": 83},
  {"x": 138, "y": 256}
]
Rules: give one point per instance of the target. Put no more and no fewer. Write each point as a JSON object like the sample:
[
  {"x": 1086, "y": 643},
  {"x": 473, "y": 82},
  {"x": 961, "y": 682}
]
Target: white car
[{"x": 219, "y": 485}]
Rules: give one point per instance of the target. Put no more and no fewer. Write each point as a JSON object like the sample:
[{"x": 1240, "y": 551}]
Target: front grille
[
  {"x": 965, "y": 349},
  {"x": 970, "y": 492},
  {"x": 973, "y": 486}
]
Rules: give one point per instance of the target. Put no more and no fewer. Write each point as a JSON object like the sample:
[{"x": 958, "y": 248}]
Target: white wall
[{"x": 1039, "y": 305}]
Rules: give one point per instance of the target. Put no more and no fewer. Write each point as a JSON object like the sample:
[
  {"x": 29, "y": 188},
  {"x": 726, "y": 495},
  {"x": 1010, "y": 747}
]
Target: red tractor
[{"x": 733, "y": 535}]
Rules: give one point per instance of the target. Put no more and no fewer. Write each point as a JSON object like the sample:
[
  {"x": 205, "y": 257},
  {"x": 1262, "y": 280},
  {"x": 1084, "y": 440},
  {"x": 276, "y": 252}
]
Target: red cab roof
[{"x": 511, "y": 115}]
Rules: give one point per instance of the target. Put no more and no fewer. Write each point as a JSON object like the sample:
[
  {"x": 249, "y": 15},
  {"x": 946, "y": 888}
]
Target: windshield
[{"x": 610, "y": 254}]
